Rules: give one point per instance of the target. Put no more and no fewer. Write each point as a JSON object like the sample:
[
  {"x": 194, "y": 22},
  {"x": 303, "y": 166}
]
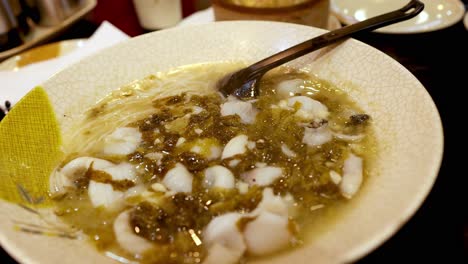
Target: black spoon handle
[{"x": 260, "y": 68}]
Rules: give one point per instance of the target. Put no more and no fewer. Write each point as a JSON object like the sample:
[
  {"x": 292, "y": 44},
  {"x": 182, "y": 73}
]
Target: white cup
[{"x": 158, "y": 14}]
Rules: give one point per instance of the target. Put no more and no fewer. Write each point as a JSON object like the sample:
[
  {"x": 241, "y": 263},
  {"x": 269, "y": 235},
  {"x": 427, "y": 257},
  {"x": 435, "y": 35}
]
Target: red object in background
[
  {"x": 120, "y": 13},
  {"x": 188, "y": 7}
]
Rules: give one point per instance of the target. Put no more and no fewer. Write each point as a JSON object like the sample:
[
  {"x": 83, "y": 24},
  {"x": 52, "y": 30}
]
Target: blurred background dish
[
  {"x": 306, "y": 12},
  {"x": 437, "y": 14},
  {"x": 41, "y": 53},
  {"x": 207, "y": 16},
  {"x": 38, "y": 33}
]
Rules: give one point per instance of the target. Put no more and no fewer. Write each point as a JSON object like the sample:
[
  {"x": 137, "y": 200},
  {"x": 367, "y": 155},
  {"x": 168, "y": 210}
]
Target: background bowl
[
  {"x": 311, "y": 12},
  {"x": 406, "y": 122}
]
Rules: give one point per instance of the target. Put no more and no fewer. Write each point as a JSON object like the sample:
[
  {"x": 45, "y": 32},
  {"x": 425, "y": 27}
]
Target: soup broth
[{"x": 166, "y": 170}]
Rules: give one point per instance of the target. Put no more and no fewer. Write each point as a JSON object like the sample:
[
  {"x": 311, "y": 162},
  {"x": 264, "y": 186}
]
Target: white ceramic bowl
[{"x": 406, "y": 121}]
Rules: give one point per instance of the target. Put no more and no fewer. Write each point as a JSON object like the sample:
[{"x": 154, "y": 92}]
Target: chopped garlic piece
[
  {"x": 242, "y": 187},
  {"x": 158, "y": 187},
  {"x": 234, "y": 162},
  {"x": 180, "y": 141},
  {"x": 198, "y": 131},
  {"x": 287, "y": 151},
  {"x": 335, "y": 177}
]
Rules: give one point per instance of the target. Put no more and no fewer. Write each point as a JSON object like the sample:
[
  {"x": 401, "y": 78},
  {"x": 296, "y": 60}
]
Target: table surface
[{"x": 439, "y": 229}]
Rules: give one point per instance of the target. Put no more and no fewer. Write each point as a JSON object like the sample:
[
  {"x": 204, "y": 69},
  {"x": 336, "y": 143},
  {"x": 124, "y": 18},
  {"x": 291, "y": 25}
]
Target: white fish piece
[
  {"x": 308, "y": 108},
  {"x": 235, "y": 146},
  {"x": 287, "y": 151},
  {"x": 126, "y": 237},
  {"x": 314, "y": 137},
  {"x": 81, "y": 165},
  {"x": 122, "y": 171},
  {"x": 223, "y": 230},
  {"x": 267, "y": 234},
  {"x": 64, "y": 177},
  {"x": 103, "y": 194},
  {"x": 245, "y": 110},
  {"x": 122, "y": 141},
  {"x": 335, "y": 177},
  {"x": 352, "y": 176},
  {"x": 290, "y": 88},
  {"x": 275, "y": 204},
  {"x": 262, "y": 176},
  {"x": 219, "y": 254},
  {"x": 178, "y": 179},
  {"x": 219, "y": 176}
]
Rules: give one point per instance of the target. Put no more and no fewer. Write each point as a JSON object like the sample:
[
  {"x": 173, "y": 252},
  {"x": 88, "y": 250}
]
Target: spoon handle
[{"x": 260, "y": 68}]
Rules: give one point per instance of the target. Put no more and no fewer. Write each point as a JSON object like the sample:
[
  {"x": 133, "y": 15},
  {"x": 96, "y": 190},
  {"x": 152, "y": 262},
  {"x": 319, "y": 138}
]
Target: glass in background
[
  {"x": 158, "y": 14},
  {"x": 54, "y": 12}
]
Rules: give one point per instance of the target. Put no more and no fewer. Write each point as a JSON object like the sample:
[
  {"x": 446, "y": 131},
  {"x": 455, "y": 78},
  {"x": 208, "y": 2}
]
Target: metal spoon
[{"x": 245, "y": 82}]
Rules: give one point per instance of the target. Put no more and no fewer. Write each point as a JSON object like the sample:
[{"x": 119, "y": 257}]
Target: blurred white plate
[
  {"x": 437, "y": 14},
  {"x": 207, "y": 16},
  {"x": 41, "y": 53}
]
